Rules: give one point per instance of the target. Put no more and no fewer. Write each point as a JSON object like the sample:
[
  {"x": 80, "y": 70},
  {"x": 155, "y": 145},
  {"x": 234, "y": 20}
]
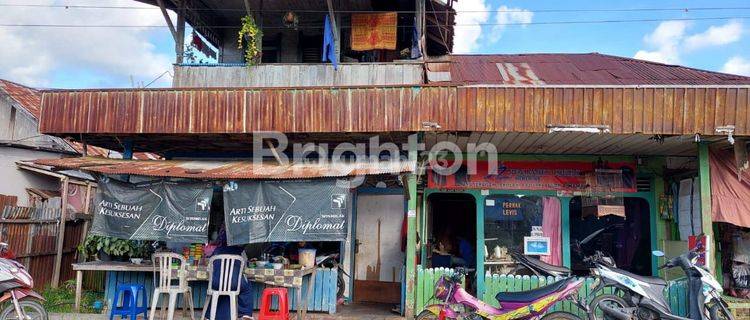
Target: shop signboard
[
  {"x": 561, "y": 176},
  {"x": 158, "y": 210},
  {"x": 503, "y": 208},
  {"x": 285, "y": 210}
]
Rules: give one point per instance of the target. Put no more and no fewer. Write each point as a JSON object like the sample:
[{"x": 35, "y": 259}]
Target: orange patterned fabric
[{"x": 372, "y": 31}]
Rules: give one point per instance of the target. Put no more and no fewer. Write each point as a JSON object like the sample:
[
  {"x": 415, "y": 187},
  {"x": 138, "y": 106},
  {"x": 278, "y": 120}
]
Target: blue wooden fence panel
[{"x": 323, "y": 297}]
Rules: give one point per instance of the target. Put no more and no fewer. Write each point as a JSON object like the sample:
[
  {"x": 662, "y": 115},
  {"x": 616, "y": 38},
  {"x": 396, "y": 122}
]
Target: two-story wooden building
[{"x": 569, "y": 143}]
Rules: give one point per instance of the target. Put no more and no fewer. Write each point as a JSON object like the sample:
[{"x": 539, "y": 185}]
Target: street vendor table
[
  {"x": 289, "y": 278},
  {"x": 194, "y": 273}
]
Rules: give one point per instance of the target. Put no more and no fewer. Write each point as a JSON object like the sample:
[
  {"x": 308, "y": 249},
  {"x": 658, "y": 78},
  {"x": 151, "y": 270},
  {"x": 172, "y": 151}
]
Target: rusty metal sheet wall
[{"x": 650, "y": 110}]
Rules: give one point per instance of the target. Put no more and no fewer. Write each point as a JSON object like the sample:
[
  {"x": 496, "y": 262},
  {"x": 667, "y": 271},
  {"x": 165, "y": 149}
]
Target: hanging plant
[{"x": 249, "y": 40}]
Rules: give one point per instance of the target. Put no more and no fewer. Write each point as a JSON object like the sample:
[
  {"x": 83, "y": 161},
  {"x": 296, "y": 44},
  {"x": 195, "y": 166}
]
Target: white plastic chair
[
  {"x": 226, "y": 264},
  {"x": 163, "y": 261}
]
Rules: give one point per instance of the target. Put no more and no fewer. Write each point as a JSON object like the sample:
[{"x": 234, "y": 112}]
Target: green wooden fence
[{"x": 494, "y": 283}]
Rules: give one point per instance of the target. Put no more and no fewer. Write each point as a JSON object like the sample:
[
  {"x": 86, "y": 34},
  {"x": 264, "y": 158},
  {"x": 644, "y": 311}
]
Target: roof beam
[{"x": 167, "y": 18}]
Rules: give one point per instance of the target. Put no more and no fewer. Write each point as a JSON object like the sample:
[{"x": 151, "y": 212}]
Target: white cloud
[
  {"x": 670, "y": 40},
  {"x": 33, "y": 56},
  {"x": 737, "y": 65},
  {"x": 506, "y": 16},
  {"x": 715, "y": 36},
  {"x": 469, "y": 14},
  {"x": 665, "y": 41}
]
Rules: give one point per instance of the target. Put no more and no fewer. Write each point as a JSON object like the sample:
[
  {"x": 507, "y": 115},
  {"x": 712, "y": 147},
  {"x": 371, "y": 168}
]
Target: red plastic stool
[{"x": 266, "y": 299}]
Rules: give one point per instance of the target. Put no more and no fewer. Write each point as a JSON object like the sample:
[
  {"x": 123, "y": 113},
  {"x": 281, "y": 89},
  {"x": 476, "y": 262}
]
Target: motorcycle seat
[
  {"x": 534, "y": 294},
  {"x": 546, "y": 266},
  {"x": 650, "y": 280}
]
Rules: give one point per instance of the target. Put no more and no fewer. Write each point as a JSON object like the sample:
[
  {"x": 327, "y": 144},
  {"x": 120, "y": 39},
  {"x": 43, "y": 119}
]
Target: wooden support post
[
  {"x": 167, "y": 18},
  {"x": 180, "y": 41},
  {"x": 411, "y": 238},
  {"x": 480, "y": 244},
  {"x": 60, "y": 233},
  {"x": 704, "y": 175},
  {"x": 86, "y": 209},
  {"x": 127, "y": 150},
  {"x": 565, "y": 229}
]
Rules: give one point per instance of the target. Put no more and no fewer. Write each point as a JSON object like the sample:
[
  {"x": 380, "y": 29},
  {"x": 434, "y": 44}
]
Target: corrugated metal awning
[{"x": 198, "y": 169}]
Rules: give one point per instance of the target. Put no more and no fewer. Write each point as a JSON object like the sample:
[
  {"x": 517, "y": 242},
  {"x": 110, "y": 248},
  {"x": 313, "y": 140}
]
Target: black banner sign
[
  {"x": 267, "y": 211},
  {"x": 162, "y": 210}
]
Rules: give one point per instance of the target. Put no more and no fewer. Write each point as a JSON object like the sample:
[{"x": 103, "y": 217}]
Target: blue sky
[
  {"x": 678, "y": 42},
  {"x": 106, "y": 57}
]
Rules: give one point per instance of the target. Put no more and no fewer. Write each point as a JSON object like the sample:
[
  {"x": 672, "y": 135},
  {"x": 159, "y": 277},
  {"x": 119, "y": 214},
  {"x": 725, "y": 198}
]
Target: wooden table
[{"x": 289, "y": 278}]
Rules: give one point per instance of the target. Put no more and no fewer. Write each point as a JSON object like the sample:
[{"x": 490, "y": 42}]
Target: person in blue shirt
[{"x": 245, "y": 299}]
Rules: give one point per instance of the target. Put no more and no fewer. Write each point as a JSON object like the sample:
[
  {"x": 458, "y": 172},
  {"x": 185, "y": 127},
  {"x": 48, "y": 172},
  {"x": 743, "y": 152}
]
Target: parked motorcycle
[
  {"x": 533, "y": 266},
  {"x": 16, "y": 290},
  {"x": 643, "y": 297},
  {"x": 331, "y": 261},
  {"x": 456, "y": 303}
]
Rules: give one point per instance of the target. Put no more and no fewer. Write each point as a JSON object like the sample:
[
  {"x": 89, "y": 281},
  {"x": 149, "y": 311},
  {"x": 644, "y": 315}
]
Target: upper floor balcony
[
  {"x": 298, "y": 74},
  {"x": 371, "y": 42}
]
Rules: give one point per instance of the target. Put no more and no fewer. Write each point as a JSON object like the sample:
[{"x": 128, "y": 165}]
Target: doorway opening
[
  {"x": 627, "y": 240},
  {"x": 379, "y": 258},
  {"x": 452, "y": 231}
]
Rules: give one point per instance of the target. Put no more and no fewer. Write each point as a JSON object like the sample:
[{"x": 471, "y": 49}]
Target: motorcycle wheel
[
  {"x": 611, "y": 300},
  {"x": 560, "y": 315},
  {"x": 718, "y": 312},
  {"x": 32, "y": 308},
  {"x": 427, "y": 315}
]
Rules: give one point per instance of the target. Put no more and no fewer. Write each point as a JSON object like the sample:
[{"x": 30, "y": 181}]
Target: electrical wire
[
  {"x": 561, "y": 22},
  {"x": 575, "y": 10}
]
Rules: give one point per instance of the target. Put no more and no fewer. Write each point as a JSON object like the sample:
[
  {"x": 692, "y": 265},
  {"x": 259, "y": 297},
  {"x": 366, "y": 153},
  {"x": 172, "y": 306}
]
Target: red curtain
[{"x": 730, "y": 191}]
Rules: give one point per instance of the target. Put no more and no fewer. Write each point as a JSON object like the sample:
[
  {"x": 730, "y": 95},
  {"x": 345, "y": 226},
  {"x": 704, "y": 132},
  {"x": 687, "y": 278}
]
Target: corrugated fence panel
[
  {"x": 664, "y": 110},
  {"x": 32, "y": 234}
]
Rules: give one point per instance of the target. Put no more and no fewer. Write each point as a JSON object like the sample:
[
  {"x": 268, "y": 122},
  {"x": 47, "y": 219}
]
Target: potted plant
[
  {"x": 107, "y": 248},
  {"x": 248, "y": 40},
  {"x": 90, "y": 247},
  {"x": 141, "y": 250}
]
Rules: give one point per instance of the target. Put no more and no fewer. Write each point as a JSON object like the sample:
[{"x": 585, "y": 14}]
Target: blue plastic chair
[{"x": 130, "y": 307}]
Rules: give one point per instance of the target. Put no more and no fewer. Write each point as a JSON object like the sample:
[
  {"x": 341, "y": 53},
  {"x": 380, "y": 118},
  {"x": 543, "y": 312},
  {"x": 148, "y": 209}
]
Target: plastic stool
[
  {"x": 266, "y": 300},
  {"x": 130, "y": 307}
]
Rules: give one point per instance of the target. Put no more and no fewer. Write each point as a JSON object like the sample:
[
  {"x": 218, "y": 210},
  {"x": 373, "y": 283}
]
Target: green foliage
[
  {"x": 114, "y": 247},
  {"x": 249, "y": 39},
  {"x": 61, "y": 299}
]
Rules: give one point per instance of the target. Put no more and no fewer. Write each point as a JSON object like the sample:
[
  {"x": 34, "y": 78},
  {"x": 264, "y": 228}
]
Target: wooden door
[{"x": 379, "y": 259}]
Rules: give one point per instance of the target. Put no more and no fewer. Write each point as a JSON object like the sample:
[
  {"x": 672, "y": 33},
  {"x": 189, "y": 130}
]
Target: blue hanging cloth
[
  {"x": 329, "y": 46},
  {"x": 415, "y": 50}
]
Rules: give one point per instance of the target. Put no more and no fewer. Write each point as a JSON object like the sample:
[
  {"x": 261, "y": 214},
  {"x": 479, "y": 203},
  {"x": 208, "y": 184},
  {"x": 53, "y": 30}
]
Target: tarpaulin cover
[
  {"x": 729, "y": 191},
  {"x": 267, "y": 211},
  {"x": 161, "y": 210}
]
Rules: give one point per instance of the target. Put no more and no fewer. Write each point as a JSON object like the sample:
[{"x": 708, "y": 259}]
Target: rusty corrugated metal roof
[
  {"x": 29, "y": 98},
  {"x": 228, "y": 169},
  {"x": 578, "y": 69}
]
